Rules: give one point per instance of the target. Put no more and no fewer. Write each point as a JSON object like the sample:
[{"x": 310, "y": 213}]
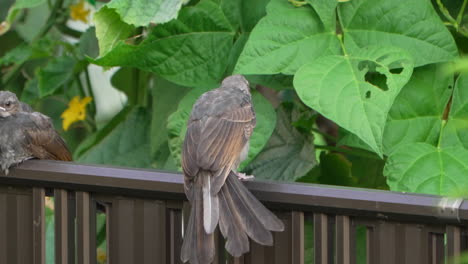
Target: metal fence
[{"x": 144, "y": 219}]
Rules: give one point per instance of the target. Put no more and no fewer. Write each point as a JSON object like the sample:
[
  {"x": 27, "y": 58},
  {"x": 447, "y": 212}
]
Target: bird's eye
[{"x": 7, "y": 104}]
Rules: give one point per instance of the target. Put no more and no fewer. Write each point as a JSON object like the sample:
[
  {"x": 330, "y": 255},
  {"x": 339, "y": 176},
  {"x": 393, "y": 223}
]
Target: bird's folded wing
[
  {"x": 44, "y": 142},
  {"x": 216, "y": 142}
]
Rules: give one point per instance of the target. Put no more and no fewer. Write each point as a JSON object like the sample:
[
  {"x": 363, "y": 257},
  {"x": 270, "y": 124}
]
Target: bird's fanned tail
[{"x": 242, "y": 214}]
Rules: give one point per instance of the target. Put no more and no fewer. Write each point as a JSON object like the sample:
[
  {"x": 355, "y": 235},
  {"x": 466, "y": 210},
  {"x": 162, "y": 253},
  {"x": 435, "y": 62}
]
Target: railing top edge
[{"x": 119, "y": 180}]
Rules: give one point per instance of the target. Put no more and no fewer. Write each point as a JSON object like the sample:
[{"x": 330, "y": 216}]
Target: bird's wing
[
  {"x": 215, "y": 143},
  {"x": 43, "y": 141}
]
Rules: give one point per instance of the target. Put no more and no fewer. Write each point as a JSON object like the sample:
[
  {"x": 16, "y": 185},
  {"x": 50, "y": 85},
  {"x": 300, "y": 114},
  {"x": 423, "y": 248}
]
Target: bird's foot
[{"x": 244, "y": 177}]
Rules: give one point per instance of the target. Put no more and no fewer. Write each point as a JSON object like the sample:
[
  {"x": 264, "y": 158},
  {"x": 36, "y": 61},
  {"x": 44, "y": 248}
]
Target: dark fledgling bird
[
  {"x": 217, "y": 140},
  {"x": 25, "y": 134}
]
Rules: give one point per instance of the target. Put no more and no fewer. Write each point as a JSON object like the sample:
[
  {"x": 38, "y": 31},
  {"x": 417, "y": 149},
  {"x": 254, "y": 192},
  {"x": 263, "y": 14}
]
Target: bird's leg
[{"x": 244, "y": 177}]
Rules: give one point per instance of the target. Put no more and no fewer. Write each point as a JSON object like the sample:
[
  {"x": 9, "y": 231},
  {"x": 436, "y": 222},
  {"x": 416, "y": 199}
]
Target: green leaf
[
  {"x": 166, "y": 96},
  {"x": 423, "y": 168},
  {"x": 24, "y": 52},
  {"x": 28, "y": 3},
  {"x": 275, "y": 81},
  {"x": 89, "y": 44},
  {"x": 110, "y": 29},
  {"x": 368, "y": 172},
  {"x": 333, "y": 169},
  {"x": 326, "y": 11},
  {"x": 395, "y": 23},
  {"x": 288, "y": 154},
  {"x": 416, "y": 114},
  {"x": 134, "y": 151},
  {"x": 177, "y": 123},
  {"x": 102, "y": 133},
  {"x": 455, "y": 132},
  {"x": 141, "y": 12},
  {"x": 133, "y": 83},
  {"x": 191, "y": 51},
  {"x": 339, "y": 88},
  {"x": 251, "y": 12},
  {"x": 284, "y": 40},
  {"x": 55, "y": 74},
  {"x": 31, "y": 91}
]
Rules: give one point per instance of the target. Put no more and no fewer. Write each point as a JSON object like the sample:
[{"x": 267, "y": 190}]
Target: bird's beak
[{"x": 2, "y": 109}]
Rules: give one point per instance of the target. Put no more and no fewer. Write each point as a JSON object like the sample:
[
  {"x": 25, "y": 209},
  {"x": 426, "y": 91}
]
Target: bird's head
[
  {"x": 9, "y": 104},
  {"x": 236, "y": 81}
]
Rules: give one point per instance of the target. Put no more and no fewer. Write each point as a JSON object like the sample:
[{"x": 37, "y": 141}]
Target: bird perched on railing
[
  {"x": 217, "y": 140},
  {"x": 25, "y": 134}
]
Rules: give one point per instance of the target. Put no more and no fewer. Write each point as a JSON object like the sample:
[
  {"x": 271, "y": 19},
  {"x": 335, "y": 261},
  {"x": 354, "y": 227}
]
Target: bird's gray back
[
  {"x": 219, "y": 101},
  {"x": 13, "y": 137}
]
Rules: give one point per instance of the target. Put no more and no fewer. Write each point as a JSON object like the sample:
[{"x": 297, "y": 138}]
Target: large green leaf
[
  {"x": 416, "y": 114},
  {"x": 339, "y": 88},
  {"x": 55, "y": 74},
  {"x": 284, "y": 40},
  {"x": 288, "y": 154},
  {"x": 326, "y": 11},
  {"x": 423, "y": 168},
  {"x": 177, "y": 124},
  {"x": 128, "y": 144},
  {"x": 142, "y": 12},
  {"x": 455, "y": 132},
  {"x": 411, "y": 25},
  {"x": 191, "y": 51},
  {"x": 166, "y": 96},
  {"x": 110, "y": 29}
]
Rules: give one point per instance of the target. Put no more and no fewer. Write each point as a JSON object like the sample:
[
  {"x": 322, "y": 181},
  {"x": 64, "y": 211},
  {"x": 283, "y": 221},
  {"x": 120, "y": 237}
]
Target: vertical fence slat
[
  {"x": 137, "y": 231},
  {"x": 344, "y": 240},
  {"x": 174, "y": 224},
  {"x": 322, "y": 239},
  {"x": 382, "y": 243},
  {"x": 3, "y": 226},
  {"x": 453, "y": 241},
  {"x": 297, "y": 237},
  {"x": 437, "y": 248},
  {"x": 86, "y": 228},
  {"x": 61, "y": 226},
  {"x": 38, "y": 218}
]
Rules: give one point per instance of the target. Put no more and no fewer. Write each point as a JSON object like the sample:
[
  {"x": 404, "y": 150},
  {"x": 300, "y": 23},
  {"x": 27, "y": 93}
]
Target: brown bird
[
  {"x": 25, "y": 134},
  {"x": 217, "y": 140}
]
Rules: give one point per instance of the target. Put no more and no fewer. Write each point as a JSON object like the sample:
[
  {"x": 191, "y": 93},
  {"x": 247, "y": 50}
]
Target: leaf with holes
[
  {"x": 411, "y": 25},
  {"x": 287, "y": 38},
  {"x": 423, "y": 168},
  {"x": 338, "y": 87},
  {"x": 416, "y": 114},
  {"x": 455, "y": 132}
]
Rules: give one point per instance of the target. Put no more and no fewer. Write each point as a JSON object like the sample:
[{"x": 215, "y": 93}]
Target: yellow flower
[
  {"x": 76, "y": 111},
  {"x": 101, "y": 256},
  {"x": 79, "y": 12}
]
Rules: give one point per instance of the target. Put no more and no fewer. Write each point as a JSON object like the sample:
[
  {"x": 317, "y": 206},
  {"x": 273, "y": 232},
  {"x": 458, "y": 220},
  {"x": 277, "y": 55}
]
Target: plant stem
[
  {"x": 90, "y": 91},
  {"x": 446, "y": 13},
  {"x": 348, "y": 151},
  {"x": 332, "y": 138},
  {"x": 460, "y": 13}
]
